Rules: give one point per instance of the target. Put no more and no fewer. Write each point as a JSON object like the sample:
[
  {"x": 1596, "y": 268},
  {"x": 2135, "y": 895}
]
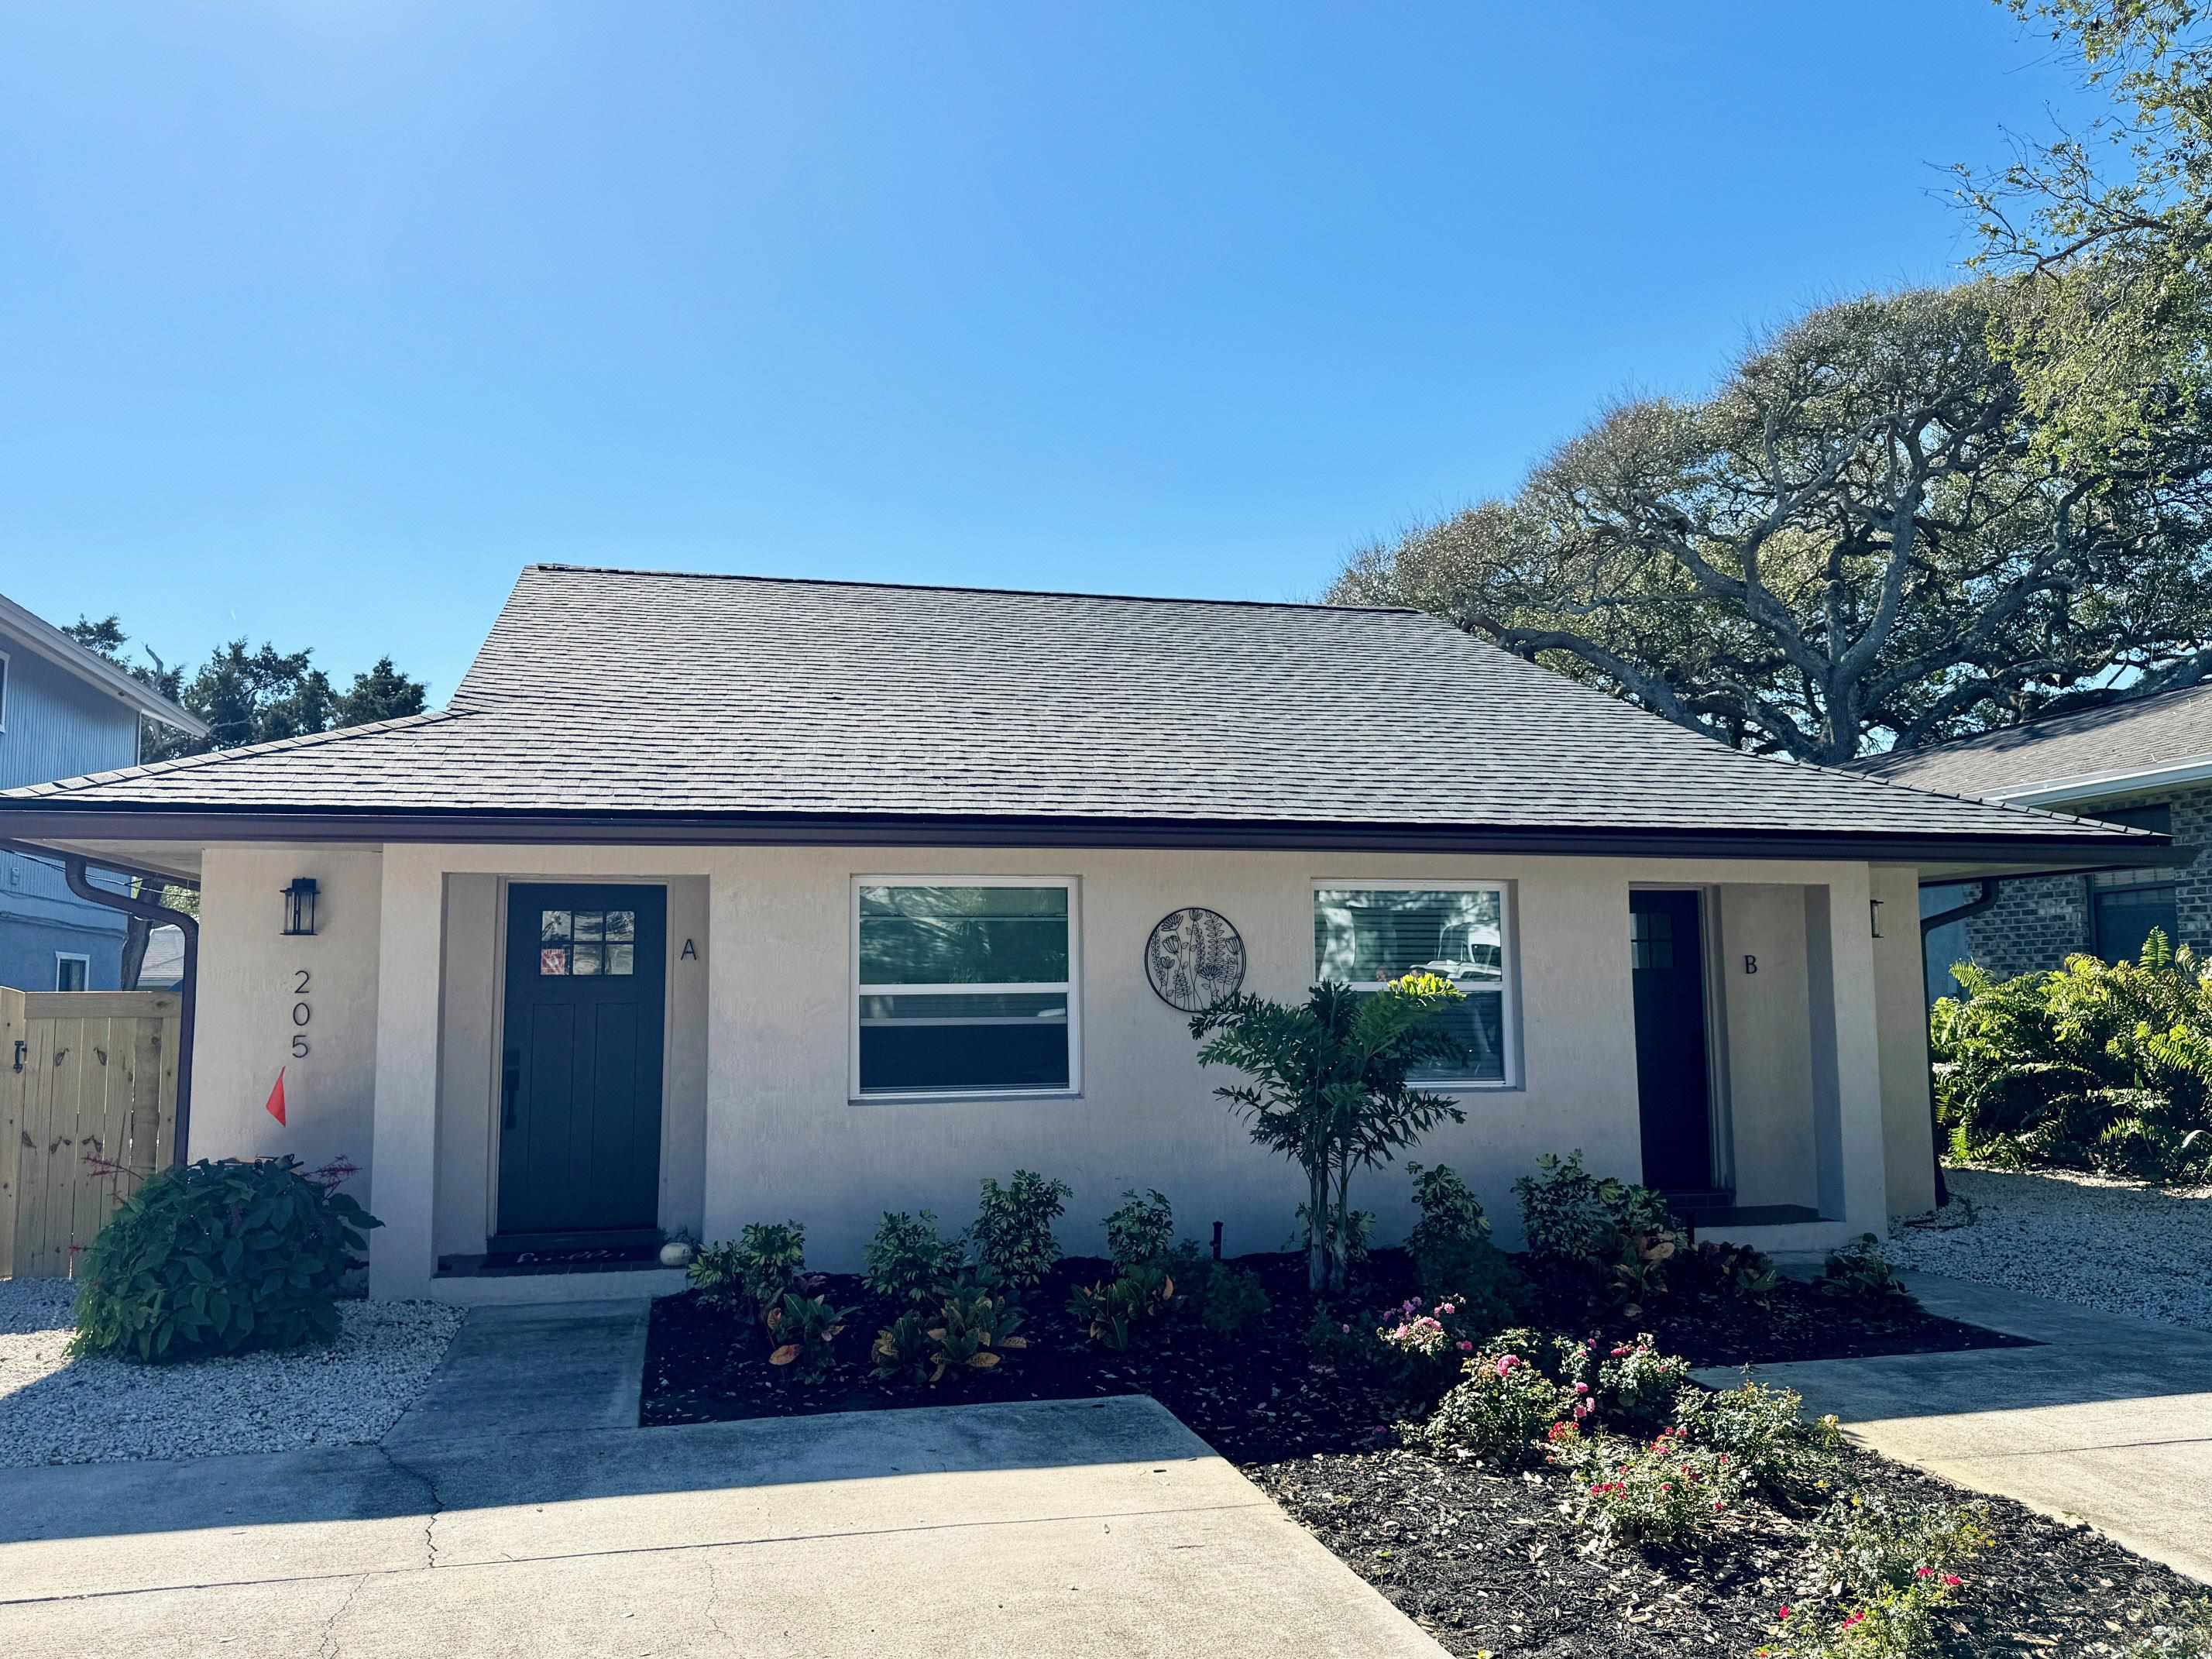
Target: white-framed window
[
  {"x": 72, "y": 971},
  {"x": 3, "y": 690},
  {"x": 965, "y": 985},
  {"x": 1368, "y": 933}
]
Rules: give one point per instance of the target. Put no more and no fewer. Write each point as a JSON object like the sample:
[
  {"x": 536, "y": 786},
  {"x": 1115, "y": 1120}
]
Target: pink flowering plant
[
  {"x": 1637, "y": 1384},
  {"x": 1880, "y": 1575},
  {"x": 1664, "y": 1490},
  {"x": 1499, "y": 1411},
  {"x": 1764, "y": 1431},
  {"x": 1430, "y": 1341}
]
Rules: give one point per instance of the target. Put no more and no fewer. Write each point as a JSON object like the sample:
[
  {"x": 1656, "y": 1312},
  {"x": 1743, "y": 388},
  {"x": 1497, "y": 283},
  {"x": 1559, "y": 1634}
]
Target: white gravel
[
  {"x": 54, "y": 1409},
  {"x": 2083, "y": 1238}
]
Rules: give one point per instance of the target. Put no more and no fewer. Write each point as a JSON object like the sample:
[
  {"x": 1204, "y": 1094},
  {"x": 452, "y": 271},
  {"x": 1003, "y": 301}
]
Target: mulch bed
[
  {"x": 1483, "y": 1560},
  {"x": 1487, "y": 1563},
  {"x": 1259, "y": 1397}
]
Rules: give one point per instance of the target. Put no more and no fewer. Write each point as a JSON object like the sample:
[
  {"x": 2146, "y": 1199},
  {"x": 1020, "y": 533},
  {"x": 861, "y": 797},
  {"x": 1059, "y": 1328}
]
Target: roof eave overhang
[
  {"x": 43, "y": 640},
  {"x": 39, "y": 821}
]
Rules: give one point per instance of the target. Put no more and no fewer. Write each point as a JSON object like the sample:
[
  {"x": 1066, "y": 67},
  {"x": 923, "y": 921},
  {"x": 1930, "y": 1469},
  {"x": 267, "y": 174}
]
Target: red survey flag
[{"x": 275, "y": 1101}]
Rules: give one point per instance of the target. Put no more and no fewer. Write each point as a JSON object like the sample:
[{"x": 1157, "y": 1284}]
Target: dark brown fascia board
[{"x": 36, "y": 821}]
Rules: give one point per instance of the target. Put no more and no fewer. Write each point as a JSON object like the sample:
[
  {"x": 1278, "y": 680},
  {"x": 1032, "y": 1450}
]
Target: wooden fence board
[
  {"x": 98, "y": 1087},
  {"x": 12, "y": 1031}
]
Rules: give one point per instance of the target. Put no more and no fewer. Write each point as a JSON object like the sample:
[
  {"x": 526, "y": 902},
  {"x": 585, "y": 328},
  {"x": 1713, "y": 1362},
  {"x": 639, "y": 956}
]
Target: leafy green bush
[
  {"x": 214, "y": 1258},
  {"x": 1637, "y": 1385},
  {"x": 1622, "y": 1235},
  {"x": 1117, "y": 1311},
  {"x": 1499, "y": 1411},
  {"x": 974, "y": 1327},
  {"x": 753, "y": 1274},
  {"x": 1736, "y": 1272},
  {"x": 804, "y": 1329},
  {"x": 1667, "y": 1491},
  {"x": 1231, "y": 1301},
  {"x": 1452, "y": 1252},
  {"x": 1881, "y": 1574},
  {"x": 1140, "y": 1232},
  {"x": 2094, "y": 1066},
  {"x": 1861, "y": 1277},
  {"x": 1763, "y": 1432},
  {"x": 1012, "y": 1235},
  {"x": 909, "y": 1260}
]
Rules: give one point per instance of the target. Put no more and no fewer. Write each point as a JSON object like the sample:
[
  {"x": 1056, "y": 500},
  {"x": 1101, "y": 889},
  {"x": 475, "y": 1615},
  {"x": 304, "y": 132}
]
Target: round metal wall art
[{"x": 1194, "y": 958}]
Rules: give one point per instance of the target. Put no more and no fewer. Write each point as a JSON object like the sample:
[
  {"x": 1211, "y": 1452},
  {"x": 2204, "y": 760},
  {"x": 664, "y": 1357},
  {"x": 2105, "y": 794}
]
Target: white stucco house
[{"x": 714, "y": 899}]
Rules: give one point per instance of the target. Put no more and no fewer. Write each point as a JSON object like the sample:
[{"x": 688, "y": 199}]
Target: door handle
[{"x": 510, "y": 1081}]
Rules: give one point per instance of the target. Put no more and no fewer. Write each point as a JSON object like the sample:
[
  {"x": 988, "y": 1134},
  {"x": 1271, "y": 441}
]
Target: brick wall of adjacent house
[{"x": 2036, "y": 924}]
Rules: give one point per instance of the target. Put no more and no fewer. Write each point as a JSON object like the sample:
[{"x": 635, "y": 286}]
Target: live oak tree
[
  {"x": 1856, "y": 537},
  {"x": 2108, "y": 230}
]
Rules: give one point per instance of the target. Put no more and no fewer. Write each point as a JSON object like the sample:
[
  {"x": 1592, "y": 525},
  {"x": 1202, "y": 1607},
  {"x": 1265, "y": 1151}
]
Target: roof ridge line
[{"x": 963, "y": 588}]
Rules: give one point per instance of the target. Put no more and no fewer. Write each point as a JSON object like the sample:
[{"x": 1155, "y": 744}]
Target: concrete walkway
[
  {"x": 2110, "y": 1423},
  {"x": 506, "y": 1516}
]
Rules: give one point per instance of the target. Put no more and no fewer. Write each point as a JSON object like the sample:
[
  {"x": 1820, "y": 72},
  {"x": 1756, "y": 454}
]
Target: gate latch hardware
[{"x": 21, "y": 1049}]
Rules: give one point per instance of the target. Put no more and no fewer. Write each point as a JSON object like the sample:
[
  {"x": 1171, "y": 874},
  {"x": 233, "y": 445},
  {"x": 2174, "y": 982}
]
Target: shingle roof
[
  {"x": 2166, "y": 729},
  {"x": 635, "y": 693}
]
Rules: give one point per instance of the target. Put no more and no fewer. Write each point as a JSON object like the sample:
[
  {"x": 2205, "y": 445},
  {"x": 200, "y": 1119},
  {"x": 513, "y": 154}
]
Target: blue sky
[{"x": 319, "y": 318}]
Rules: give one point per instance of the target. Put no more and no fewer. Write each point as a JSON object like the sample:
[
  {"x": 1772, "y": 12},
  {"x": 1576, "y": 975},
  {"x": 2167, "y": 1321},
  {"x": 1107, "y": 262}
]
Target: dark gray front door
[
  {"x": 1667, "y": 958},
  {"x": 580, "y": 1094}
]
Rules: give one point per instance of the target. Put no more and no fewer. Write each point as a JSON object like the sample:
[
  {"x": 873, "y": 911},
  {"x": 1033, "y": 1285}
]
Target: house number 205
[{"x": 301, "y": 1013}]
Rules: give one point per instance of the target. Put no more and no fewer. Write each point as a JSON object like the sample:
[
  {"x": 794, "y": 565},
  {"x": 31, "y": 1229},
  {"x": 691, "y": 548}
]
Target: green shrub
[
  {"x": 1737, "y": 1273},
  {"x": 909, "y": 1260},
  {"x": 1763, "y": 1432},
  {"x": 215, "y": 1258},
  {"x": 1637, "y": 1385},
  {"x": 1860, "y": 1276},
  {"x": 752, "y": 1275},
  {"x": 1116, "y": 1311},
  {"x": 1232, "y": 1300},
  {"x": 1623, "y": 1236},
  {"x": 1140, "y": 1232},
  {"x": 2094, "y": 1066},
  {"x": 1881, "y": 1574},
  {"x": 973, "y": 1329},
  {"x": 1498, "y": 1410},
  {"x": 1454, "y": 1255},
  {"x": 1667, "y": 1491},
  {"x": 1012, "y": 1235},
  {"x": 1343, "y": 1341},
  {"x": 804, "y": 1330}
]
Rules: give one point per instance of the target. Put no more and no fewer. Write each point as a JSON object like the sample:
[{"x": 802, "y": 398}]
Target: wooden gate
[{"x": 88, "y": 1082}]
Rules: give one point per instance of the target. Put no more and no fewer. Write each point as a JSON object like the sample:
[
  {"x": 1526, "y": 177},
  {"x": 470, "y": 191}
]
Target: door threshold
[{"x": 515, "y": 1264}]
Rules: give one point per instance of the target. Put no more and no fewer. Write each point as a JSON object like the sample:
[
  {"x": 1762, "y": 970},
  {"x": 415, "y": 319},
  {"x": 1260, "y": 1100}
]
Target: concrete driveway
[
  {"x": 514, "y": 1512},
  {"x": 2109, "y": 1423}
]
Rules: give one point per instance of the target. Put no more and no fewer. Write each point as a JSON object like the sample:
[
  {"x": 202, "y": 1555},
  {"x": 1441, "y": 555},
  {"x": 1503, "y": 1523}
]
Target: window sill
[{"x": 962, "y": 1097}]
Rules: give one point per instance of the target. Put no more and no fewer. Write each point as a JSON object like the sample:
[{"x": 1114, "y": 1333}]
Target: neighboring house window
[
  {"x": 2126, "y": 906},
  {"x": 3, "y": 690},
  {"x": 71, "y": 973},
  {"x": 1367, "y": 935},
  {"x": 965, "y": 986}
]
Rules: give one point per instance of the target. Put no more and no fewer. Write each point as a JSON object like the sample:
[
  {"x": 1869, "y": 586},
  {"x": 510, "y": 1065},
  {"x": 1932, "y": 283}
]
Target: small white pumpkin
[{"x": 676, "y": 1253}]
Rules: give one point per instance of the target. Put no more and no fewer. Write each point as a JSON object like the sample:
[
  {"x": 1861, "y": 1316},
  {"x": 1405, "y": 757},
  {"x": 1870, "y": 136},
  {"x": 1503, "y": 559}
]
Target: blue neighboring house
[{"x": 64, "y": 711}]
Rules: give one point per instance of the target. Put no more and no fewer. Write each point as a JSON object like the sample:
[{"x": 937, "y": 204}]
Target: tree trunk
[
  {"x": 136, "y": 933},
  {"x": 1340, "y": 1228},
  {"x": 1317, "y": 1231}
]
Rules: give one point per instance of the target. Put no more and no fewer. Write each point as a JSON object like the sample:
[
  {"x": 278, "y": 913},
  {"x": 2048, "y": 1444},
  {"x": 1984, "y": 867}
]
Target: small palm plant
[{"x": 1330, "y": 1087}]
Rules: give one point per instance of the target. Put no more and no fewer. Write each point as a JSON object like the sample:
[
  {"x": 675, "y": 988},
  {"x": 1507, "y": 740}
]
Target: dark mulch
[
  {"x": 1261, "y": 1396},
  {"x": 1487, "y": 1564},
  {"x": 1485, "y": 1560}
]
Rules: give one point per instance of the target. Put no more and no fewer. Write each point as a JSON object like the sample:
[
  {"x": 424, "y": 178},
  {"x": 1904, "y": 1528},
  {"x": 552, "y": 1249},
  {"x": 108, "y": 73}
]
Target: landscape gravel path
[
  {"x": 2080, "y": 1238},
  {"x": 56, "y": 1410}
]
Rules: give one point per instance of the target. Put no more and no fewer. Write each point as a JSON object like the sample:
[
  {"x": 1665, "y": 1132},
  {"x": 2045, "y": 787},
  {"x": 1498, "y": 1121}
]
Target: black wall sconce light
[
  {"x": 1874, "y": 915},
  {"x": 300, "y": 908}
]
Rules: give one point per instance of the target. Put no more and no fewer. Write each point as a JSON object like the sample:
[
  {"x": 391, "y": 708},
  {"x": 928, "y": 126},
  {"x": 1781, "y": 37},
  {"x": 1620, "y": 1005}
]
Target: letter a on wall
[{"x": 275, "y": 1101}]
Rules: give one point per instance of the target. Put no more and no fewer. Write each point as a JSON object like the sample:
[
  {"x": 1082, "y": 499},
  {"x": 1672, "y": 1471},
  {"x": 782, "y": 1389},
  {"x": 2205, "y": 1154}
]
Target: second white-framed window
[
  {"x": 965, "y": 985},
  {"x": 1367, "y": 933}
]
